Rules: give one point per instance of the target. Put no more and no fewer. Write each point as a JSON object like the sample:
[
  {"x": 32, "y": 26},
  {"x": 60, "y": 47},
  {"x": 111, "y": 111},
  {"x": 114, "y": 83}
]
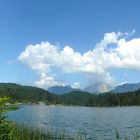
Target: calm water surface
[{"x": 97, "y": 123}]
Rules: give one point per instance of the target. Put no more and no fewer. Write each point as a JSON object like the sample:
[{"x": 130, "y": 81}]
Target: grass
[
  {"x": 22, "y": 132},
  {"x": 135, "y": 136},
  {"x": 25, "y": 133},
  {"x": 11, "y": 131},
  {"x": 10, "y": 108}
]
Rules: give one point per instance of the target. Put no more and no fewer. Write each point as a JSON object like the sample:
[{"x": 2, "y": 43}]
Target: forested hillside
[
  {"x": 106, "y": 99},
  {"x": 29, "y": 94},
  {"x": 18, "y": 93}
]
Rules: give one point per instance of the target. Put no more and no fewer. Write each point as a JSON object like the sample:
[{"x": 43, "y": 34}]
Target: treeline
[
  {"x": 25, "y": 94},
  {"x": 106, "y": 99},
  {"x": 28, "y": 94}
]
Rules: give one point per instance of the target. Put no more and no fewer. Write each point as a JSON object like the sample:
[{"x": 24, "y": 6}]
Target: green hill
[
  {"x": 29, "y": 94},
  {"x": 105, "y": 99},
  {"x": 19, "y": 93},
  {"x": 75, "y": 98}
]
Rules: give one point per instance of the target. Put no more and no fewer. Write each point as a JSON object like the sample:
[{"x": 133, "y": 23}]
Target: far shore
[{"x": 63, "y": 105}]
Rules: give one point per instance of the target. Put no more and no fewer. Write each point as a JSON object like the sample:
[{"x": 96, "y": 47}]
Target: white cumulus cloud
[
  {"x": 113, "y": 51},
  {"x": 76, "y": 85},
  {"x": 47, "y": 81}
]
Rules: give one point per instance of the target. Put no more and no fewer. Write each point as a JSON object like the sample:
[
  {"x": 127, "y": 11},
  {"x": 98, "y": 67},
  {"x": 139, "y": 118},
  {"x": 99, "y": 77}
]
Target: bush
[{"x": 4, "y": 125}]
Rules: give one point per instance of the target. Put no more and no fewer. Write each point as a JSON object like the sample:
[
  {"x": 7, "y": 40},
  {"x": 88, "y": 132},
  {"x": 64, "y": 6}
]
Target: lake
[{"x": 97, "y": 123}]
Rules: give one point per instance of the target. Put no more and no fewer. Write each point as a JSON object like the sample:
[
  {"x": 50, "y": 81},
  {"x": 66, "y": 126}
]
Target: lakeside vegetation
[
  {"x": 26, "y": 94},
  {"x": 11, "y": 131},
  {"x": 21, "y": 132}
]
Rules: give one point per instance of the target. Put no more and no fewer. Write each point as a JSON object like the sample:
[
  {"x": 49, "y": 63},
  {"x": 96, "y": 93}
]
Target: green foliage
[
  {"x": 4, "y": 130},
  {"x": 105, "y": 99},
  {"x": 25, "y": 133},
  {"x": 22, "y": 132},
  {"x": 75, "y": 98},
  {"x": 4, "y": 125},
  {"x": 25, "y": 94},
  {"x": 3, "y": 102},
  {"x": 134, "y": 137},
  {"x": 9, "y": 131},
  {"x": 28, "y": 94},
  {"x": 117, "y": 134}
]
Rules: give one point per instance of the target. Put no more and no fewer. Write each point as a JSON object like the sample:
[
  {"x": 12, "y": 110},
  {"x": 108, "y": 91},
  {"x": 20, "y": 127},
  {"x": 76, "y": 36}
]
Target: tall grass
[
  {"x": 11, "y": 131},
  {"x": 22, "y": 132},
  {"x": 25, "y": 133},
  {"x": 135, "y": 136}
]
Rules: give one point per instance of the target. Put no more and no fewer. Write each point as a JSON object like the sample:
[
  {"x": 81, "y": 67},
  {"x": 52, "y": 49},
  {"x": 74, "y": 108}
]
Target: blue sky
[{"x": 79, "y": 24}]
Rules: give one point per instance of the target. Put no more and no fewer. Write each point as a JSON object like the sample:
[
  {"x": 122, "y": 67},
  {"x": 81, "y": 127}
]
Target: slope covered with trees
[
  {"x": 18, "y": 93},
  {"x": 29, "y": 94},
  {"x": 106, "y": 99}
]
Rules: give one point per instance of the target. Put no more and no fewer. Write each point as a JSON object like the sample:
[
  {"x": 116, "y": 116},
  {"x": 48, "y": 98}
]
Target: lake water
[{"x": 97, "y": 123}]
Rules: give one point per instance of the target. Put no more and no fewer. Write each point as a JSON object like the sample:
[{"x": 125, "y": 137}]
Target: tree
[
  {"x": 4, "y": 125},
  {"x": 3, "y": 102}
]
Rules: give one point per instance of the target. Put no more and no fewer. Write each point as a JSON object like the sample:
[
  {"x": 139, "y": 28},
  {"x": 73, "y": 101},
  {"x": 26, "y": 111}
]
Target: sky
[{"x": 69, "y": 42}]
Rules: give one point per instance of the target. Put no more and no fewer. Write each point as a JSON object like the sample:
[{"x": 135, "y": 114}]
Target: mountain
[
  {"x": 29, "y": 94},
  {"x": 126, "y": 88},
  {"x": 98, "y": 88},
  {"x": 108, "y": 99},
  {"x": 75, "y": 98},
  {"x": 61, "y": 89},
  {"x": 19, "y": 93}
]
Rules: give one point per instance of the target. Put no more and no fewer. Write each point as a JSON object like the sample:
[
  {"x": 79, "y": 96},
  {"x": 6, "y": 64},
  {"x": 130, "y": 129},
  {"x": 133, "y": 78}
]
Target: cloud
[
  {"x": 113, "y": 51},
  {"x": 122, "y": 83},
  {"x": 47, "y": 81},
  {"x": 76, "y": 85},
  {"x": 104, "y": 77}
]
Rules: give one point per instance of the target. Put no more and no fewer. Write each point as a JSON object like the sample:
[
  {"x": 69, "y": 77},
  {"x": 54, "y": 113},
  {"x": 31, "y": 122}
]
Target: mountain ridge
[
  {"x": 127, "y": 87},
  {"x": 98, "y": 88},
  {"x": 59, "y": 90}
]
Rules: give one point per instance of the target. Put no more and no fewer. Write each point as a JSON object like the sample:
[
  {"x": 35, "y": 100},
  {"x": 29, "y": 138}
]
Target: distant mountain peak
[
  {"x": 98, "y": 88},
  {"x": 127, "y": 87},
  {"x": 62, "y": 89}
]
